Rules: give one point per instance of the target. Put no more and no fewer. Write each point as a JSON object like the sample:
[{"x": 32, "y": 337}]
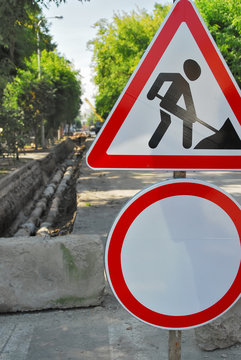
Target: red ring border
[{"x": 113, "y": 264}]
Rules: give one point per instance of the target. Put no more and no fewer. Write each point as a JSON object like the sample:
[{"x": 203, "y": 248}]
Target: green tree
[
  {"x": 53, "y": 99},
  {"x": 117, "y": 50},
  {"x": 33, "y": 98},
  {"x": 27, "y": 99},
  {"x": 19, "y": 19},
  {"x": 223, "y": 19},
  {"x": 18, "y": 34},
  {"x": 91, "y": 119},
  {"x": 120, "y": 44},
  {"x": 66, "y": 84},
  {"x": 15, "y": 13},
  {"x": 77, "y": 122},
  {"x": 57, "y": 2},
  {"x": 12, "y": 137}
]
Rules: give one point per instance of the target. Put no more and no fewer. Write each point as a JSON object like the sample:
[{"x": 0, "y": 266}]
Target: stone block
[
  {"x": 49, "y": 273},
  {"x": 223, "y": 332}
]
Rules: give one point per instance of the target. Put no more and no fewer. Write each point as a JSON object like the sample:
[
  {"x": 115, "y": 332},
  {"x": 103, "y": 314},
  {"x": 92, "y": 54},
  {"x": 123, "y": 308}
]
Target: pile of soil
[{"x": 10, "y": 164}]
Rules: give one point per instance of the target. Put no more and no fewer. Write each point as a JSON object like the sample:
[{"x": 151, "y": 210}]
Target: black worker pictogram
[{"x": 225, "y": 138}]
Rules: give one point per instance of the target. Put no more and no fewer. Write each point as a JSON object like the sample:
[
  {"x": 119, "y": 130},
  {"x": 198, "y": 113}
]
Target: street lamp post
[{"x": 39, "y": 69}]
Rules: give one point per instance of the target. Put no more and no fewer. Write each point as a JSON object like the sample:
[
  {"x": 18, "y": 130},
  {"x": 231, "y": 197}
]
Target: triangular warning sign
[{"x": 181, "y": 108}]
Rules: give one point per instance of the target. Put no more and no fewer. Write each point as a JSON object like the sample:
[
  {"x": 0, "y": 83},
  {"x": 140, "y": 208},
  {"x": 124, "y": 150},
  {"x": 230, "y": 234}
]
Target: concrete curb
[{"x": 50, "y": 273}]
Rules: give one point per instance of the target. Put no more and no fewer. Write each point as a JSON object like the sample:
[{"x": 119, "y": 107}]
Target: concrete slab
[
  {"x": 105, "y": 332},
  {"x": 44, "y": 273}
]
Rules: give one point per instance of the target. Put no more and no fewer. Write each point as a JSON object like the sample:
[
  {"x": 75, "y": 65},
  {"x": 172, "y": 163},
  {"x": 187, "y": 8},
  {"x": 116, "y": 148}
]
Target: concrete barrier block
[{"x": 43, "y": 273}]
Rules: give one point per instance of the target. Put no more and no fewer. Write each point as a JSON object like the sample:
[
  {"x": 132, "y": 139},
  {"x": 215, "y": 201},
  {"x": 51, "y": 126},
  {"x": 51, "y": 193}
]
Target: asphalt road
[{"x": 105, "y": 332}]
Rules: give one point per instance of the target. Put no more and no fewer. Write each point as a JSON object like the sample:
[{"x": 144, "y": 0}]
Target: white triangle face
[
  {"x": 210, "y": 105},
  {"x": 181, "y": 103}
]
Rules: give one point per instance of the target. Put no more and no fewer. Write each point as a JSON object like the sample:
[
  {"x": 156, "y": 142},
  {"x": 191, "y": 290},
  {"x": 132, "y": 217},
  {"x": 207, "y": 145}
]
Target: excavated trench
[
  {"x": 63, "y": 225},
  {"x": 60, "y": 215},
  {"x": 41, "y": 200},
  {"x": 47, "y": 271}
]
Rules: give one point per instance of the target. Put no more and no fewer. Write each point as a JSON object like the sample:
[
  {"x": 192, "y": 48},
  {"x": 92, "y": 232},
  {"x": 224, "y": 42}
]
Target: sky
[{"x": 73, "y": 32}]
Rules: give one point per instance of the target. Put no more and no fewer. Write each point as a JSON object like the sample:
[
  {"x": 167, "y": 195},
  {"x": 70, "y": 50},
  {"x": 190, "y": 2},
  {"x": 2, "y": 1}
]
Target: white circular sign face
[{"x": 173, "y": 254}]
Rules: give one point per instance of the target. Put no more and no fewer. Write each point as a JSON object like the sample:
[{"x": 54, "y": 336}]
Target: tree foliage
[
  {"x": 66, "y": 83},
  {"x": 117, "y": 50},
  {"x": 57, "y": 2},
  {"x": 19, "y": 19},
  {"x": 54, "y": 98},
  {"x": 223, "y": 19},
  {"x": 18, "y": 32},
  {"x": 120, "y": 44},
  {"x": 12, "y": 136},
  {"x": 26, "y": 100}
]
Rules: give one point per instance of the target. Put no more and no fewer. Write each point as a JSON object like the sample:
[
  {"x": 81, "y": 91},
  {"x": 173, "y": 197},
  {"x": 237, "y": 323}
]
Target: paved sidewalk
[{"x": 106, "y": 332}]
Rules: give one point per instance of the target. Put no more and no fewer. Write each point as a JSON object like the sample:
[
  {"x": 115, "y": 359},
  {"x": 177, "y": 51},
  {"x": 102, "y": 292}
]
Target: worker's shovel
[{"x": 225, "y": 138}]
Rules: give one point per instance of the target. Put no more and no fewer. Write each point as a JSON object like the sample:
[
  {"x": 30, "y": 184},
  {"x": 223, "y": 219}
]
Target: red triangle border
[{"x": 98, "y": 158}]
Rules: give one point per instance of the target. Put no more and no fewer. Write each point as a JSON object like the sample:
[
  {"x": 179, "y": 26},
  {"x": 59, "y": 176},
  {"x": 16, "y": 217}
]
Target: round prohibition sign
[{"x": 173, "y": 254}]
